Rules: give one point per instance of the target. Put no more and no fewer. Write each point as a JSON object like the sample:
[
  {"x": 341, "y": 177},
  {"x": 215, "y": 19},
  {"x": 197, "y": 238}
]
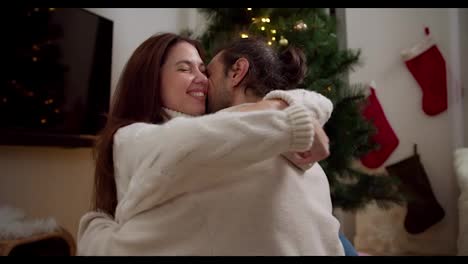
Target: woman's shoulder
[{"x": 131, "y": 131}]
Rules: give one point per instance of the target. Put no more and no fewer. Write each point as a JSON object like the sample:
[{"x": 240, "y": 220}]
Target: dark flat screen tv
[{"x": 56, "y": 76}]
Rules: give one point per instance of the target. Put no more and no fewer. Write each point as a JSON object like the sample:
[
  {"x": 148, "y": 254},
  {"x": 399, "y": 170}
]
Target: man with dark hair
[{"x": 288, "y": 197}]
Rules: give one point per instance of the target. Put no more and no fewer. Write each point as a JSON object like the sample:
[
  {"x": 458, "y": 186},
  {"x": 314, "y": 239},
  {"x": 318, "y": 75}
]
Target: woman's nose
[{"x": 201, "y": 77}]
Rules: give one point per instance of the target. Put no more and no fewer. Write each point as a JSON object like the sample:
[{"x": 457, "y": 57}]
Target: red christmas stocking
[
  {"x": 427, "y": 65},
  {"x": 385, "y": 137}
]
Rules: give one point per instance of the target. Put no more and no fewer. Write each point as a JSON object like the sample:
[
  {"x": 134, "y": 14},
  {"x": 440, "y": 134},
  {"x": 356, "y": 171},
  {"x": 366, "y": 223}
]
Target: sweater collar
[{"x": 173, "y": 114}]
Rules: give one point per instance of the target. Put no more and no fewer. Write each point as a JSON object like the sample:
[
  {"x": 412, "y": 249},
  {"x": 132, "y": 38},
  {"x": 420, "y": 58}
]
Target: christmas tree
[
  {"x": 32, "y": 91},
  {"x": 314, "y": 30}
]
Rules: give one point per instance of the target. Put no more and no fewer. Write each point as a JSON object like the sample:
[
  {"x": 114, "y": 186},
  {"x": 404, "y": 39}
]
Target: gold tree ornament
[
  {"x": 283, "y": 41},
  {"x": 300, "y": 25}
]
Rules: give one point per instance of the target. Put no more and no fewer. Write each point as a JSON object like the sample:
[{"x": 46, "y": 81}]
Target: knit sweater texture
[{"x": 215, "y": 185}]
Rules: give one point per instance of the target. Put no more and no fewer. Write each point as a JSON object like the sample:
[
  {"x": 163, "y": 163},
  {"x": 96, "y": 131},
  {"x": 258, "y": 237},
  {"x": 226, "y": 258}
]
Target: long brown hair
[{"x": 137, "y": 99}]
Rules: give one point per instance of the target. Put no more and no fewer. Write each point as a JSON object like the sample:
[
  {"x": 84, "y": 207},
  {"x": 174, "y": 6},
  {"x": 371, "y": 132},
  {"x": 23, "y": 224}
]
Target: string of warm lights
[
  {"x": 263, "y": 24},
  {"x": 50, "y": 103}
]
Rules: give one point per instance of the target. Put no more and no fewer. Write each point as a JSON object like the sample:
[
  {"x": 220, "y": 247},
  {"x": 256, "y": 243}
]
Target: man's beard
[{"x": 220, "y": 100}]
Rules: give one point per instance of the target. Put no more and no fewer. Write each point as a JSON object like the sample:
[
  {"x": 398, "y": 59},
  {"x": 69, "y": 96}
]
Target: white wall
[
  {"x": 134, "y": 25},
  {"x": 463, "y": 28},
  {"x": 458, "y": 50},
  {"x": 382, "y": 34},
  {"x": 57, "y": 182},
  {"x": 47, "y": 182}
]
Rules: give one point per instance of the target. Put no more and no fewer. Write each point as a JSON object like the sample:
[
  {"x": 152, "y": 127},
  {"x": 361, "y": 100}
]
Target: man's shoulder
[{"x": 234, "y": 108}]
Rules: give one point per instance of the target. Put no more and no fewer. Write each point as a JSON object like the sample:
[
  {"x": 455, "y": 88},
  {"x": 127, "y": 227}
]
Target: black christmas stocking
[{"x": 423, "y": 208}]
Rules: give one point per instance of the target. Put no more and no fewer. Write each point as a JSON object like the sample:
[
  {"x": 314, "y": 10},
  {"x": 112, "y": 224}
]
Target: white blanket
[
  {"x": 14, "y": 225},
  {"x": 461, "y": 170}
]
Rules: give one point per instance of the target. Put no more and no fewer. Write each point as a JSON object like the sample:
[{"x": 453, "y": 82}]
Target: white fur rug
[
  {"x": 15, "y": 225},
  {"x": 381, "y": 232}
]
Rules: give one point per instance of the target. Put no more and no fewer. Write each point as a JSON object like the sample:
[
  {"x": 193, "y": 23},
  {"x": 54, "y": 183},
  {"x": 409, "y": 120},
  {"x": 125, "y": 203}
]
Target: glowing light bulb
[{"x": 283, "y": 41}]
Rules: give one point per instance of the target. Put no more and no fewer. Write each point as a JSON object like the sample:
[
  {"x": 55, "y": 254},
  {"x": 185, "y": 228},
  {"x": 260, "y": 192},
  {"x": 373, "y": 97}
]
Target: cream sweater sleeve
[
  {"x": 320, "y": 106},
  {"x": 174, "y": 158}
]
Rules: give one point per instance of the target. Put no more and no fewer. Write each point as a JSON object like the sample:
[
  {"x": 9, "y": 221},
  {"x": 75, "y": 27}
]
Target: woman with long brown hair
[{"x": 139, "y": 98}]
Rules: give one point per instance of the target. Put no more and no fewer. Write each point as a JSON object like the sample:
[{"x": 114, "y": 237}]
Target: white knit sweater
[{"x": 215, "y": 185}]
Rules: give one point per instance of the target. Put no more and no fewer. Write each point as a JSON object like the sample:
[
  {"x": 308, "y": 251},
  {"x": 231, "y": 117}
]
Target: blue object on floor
[{"x": 348, "y": 247}]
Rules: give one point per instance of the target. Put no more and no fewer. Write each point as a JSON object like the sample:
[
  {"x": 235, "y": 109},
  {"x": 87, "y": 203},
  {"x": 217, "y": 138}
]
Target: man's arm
[
  {"x": 320, "y": 147},
  {"x": 321, "y": 108}
]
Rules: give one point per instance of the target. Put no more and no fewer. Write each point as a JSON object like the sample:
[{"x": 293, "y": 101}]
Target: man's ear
[{"x": 239, "y": 70}]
